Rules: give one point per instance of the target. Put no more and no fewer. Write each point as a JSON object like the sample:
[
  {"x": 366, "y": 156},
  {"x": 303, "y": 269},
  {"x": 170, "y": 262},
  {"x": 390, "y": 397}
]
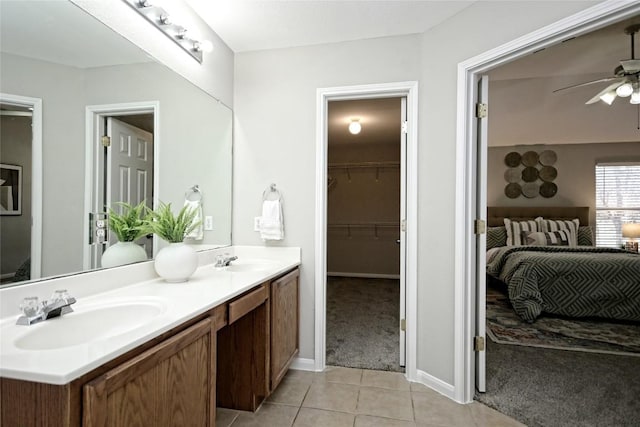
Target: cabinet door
[
  {"x": 168, "y": 385},
  {"x": 284, "y": 325}
]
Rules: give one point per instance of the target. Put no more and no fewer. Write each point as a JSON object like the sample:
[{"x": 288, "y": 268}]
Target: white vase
[
  {"x": 176, "y": 262},
  {"x": 123, "y": 253}
]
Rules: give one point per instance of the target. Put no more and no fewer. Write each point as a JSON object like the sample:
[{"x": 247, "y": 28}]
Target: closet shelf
[
  {"x": 364, "y": 165},
  {"x": 363, "y": 224}
]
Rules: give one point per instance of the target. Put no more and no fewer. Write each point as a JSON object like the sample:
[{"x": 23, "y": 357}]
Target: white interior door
[
  {"x": 403, "y": 240},
  {"x": 129, "y": 169},
  {"x": 481, "y": 240}
]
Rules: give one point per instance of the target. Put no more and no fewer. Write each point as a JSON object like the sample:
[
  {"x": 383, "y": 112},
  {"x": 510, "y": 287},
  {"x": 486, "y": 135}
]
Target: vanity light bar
[{"x": 161, "y": 19}]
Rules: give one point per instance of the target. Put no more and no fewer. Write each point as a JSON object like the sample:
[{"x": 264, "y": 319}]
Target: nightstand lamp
[{"x": 631, "y": 231}]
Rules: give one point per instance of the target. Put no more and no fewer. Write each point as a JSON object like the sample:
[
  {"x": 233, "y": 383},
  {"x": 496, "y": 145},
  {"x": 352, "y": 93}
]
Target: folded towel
[
  {"x": 272, "y": 223},
  {"x": 198, "y": 232}
]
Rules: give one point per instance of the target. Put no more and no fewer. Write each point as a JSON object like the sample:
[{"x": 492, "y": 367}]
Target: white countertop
[{"x": 175, "y": 303}]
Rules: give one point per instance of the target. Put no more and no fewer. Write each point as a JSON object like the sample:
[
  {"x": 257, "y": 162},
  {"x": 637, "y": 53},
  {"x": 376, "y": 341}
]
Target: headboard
[{"x": 497, "y": 214}]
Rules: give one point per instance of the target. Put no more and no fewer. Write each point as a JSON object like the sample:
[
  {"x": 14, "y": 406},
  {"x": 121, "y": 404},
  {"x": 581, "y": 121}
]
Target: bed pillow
[
  {"x": 585, "y": 236},
  {"x": 542, "y": 238},
  {"x": 496, "y": 237},
  {"x": 561, "y": 224},
  {"x": 515, "y": 229}
]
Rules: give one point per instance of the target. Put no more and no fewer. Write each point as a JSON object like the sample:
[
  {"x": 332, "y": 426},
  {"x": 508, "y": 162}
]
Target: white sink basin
[
  {"x": 250, "y": 265},
  {"x": 90, "y": 323}
]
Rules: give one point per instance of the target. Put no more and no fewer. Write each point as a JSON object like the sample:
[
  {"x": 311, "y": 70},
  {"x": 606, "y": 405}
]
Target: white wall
[
  {"x": 274, "y": 142},
  {"x": 274, "y": 135}
]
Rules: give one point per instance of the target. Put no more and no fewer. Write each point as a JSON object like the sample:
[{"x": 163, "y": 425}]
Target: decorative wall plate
[
  {"x": 530, "y": 190},
  {"x": 548, "y": 158},
  {"x": 548, "y": 189},
  {"x": 512, "y": 175},
  {"x": 513, "y": 190},
  {"x": 512, "y": 159},
  {"x": 529, "y": 174},
  {"x": 548, "y": 173},
  {"x": 530, "y": 158}
]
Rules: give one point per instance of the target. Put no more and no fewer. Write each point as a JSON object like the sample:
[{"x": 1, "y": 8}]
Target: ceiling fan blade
[
  {"x": 606, "y": 79},
  {"x": 605, "y": 90},
  {"x": 631, "y": 65}
]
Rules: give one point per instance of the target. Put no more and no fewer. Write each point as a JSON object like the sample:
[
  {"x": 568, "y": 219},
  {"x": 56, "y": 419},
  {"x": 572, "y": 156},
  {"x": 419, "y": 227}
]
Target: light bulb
[
  {"x": 624, "y": 90},
  {"x": 205, "y": 46},
  {"x": 355, "y": 127},
  {"x": 608, "y": 97},
  {"x": 635, "y": 97}
]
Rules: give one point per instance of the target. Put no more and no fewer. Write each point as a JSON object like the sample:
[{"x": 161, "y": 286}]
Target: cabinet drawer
[{"x": 247, "y": 303}]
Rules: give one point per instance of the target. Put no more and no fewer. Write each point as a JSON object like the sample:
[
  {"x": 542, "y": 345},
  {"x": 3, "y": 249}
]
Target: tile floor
[{"x": 360, "y": 398}]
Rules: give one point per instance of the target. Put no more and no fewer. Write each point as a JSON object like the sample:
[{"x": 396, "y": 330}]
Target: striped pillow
[
  {"x": 515, "y": 229},
  {"x": 550, "y": 238},
  {"x": 561, "y": 224},
  {"x": 496, "y": 237}
]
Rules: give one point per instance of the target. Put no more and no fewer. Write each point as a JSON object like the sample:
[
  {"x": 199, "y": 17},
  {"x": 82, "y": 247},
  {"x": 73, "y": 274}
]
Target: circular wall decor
[
  {"x": 548, "y": 173},
  {"x": 548, "y": 189},
  {"x": 512, "y": 159},
  {"x": 512, "y": 175},
  {"x": 529, "y": 174},
  {"x": 548, "y": 158},
  {"x": 530, "y": 158},
  {"x": 513, "y": 190},
  {"x": 530, "y": 190}
]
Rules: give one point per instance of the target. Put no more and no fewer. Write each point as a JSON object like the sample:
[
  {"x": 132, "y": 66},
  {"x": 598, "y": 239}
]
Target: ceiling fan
[{"x": 625, "y": 81}]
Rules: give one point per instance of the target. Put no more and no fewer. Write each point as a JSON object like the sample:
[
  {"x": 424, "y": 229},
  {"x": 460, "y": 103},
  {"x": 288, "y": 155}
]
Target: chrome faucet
[
  {"x": 34, "y": 312},
  {"x": 224, "y": 260}
]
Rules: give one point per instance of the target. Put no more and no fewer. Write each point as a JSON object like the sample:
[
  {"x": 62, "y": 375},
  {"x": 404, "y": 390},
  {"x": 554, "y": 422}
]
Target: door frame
[
  {"x": 408, "y": 89},
  {"x": 36, "y": 176},
  {"x": 590, "y": 19},
  {"x": 94, "y": 118}
]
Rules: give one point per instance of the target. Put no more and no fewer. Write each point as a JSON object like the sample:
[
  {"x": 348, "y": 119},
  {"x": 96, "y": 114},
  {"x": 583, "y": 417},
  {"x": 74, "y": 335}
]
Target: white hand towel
[
  {"x": 272, "y": 223},
  {"x": 198, "y": 232}
]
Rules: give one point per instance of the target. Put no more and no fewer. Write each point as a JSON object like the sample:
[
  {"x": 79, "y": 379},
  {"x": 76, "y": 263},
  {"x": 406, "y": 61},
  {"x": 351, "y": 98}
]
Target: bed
[{"x": 565, "y": 277}]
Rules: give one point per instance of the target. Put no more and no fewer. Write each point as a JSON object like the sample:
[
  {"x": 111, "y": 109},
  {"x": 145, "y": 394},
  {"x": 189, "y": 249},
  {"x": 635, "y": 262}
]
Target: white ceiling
[
  {"x": 247, "y": 25},
  {"x": 58, "y": 31}
]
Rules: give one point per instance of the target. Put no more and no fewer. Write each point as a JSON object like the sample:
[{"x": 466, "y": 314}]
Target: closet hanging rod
[
  {"x": 364, "y": 165},
  {"x": 364, "y": 224}
]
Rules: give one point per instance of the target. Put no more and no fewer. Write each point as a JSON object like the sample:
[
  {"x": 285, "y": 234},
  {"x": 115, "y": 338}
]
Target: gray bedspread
[{"x": 575, "y": 282}]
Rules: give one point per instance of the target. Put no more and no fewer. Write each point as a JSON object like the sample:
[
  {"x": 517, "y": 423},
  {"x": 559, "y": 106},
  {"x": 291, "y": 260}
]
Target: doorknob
[{"x": 398, "y": 241}]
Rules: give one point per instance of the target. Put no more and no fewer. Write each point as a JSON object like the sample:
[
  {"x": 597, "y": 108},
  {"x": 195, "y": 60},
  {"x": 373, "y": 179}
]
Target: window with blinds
[{"x": 617, "y": 201}]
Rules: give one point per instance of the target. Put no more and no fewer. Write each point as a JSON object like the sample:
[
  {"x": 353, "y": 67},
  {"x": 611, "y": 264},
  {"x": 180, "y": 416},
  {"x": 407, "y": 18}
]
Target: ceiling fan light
[
  {"x": 635, "y": 97},
  {"x": 608, "y": 97},
  {"x": 624, "y": 90}
]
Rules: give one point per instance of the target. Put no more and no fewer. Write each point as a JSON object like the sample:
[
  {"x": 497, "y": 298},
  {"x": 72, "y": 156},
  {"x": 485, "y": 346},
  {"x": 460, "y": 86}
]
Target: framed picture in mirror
[{"x": 10, "y": 189}]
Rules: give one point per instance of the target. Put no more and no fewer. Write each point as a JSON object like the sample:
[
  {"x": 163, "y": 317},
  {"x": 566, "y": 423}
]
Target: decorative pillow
[
  {"x": 549, "y": 238},
  {"x": 561, "y": 224},
  {"x": 585, "y": 236},
  {"x": 496, "y": 237},
  {"x": 515, "y": 229}
]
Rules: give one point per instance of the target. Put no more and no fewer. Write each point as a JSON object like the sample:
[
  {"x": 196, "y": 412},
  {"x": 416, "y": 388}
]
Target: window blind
[{"x": 617, "y": 201}]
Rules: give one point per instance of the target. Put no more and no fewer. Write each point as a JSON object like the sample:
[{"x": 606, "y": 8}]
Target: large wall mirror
[{"x": 67, "y": 77}]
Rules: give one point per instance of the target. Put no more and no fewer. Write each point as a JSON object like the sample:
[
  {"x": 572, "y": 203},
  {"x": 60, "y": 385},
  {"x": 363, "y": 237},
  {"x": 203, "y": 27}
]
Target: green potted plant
[
  {"x": 128, "y": 226},
  {"x": 178, "y": 261}
]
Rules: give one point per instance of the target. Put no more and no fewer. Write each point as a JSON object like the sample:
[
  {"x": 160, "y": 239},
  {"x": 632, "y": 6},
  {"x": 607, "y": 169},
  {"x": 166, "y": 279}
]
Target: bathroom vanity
[{"x": 225, "y": 338}]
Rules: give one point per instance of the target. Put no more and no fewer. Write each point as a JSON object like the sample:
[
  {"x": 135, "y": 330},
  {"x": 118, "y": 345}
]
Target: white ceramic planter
[
  {"x": 176, "y": 262},
  {"x": 123, "y": 253}
]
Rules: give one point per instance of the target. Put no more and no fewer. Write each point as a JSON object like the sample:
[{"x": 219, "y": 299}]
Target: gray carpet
[
  {"x": 362, "y": 323},
  {"x": 545, "y": 387}
]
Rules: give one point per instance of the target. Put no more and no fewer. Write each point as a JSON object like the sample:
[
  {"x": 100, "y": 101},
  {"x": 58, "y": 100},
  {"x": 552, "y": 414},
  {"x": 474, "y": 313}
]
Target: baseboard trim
[
  {"x": 303, "y": 364},
  {"x": 436, "y": 384},
  {"x": 364, "y": 275}
]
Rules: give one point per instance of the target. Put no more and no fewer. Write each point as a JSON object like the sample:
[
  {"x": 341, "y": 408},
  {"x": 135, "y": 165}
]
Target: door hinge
[
  {"x": 481, "y": 110},
  {"x": 405, "y": 127},
  {"x": 478, "y": 343},
  {"x": 403, "y": 225},
  {"x": 106, "y": 141},
  {"x": 479, "y": 226},
  {"x": 403, "y": 324}
]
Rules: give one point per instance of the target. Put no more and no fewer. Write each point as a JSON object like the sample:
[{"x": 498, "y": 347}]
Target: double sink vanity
[{"x": 139, "y": 351}]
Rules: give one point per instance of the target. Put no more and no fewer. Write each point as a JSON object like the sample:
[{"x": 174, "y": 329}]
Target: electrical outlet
[
  {"x": 256, "y": 223},
  {"x": 208, "y": 223}
]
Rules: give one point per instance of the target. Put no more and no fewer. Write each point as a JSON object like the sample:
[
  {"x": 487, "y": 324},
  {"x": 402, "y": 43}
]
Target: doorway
[
  {"x": 407, "y": 226},
  {"x": 365, "y": 185},
  {"x": 121, "y": 164}
]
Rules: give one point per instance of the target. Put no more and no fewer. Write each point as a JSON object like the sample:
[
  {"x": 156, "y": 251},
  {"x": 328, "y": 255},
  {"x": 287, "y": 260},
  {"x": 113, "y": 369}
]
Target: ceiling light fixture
[
  {"x": 635, "y": 96},
  {"x": 162, "y": 20},
  {"x": 355, "y": 127},
  {"x": 624, "y": 90}
]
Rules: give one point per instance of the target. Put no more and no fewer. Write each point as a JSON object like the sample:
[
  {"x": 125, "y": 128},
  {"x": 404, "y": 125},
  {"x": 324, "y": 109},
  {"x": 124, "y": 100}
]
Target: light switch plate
[
  {"x": 256, "y": 223},
  {"x": 208, "y": 223}
]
